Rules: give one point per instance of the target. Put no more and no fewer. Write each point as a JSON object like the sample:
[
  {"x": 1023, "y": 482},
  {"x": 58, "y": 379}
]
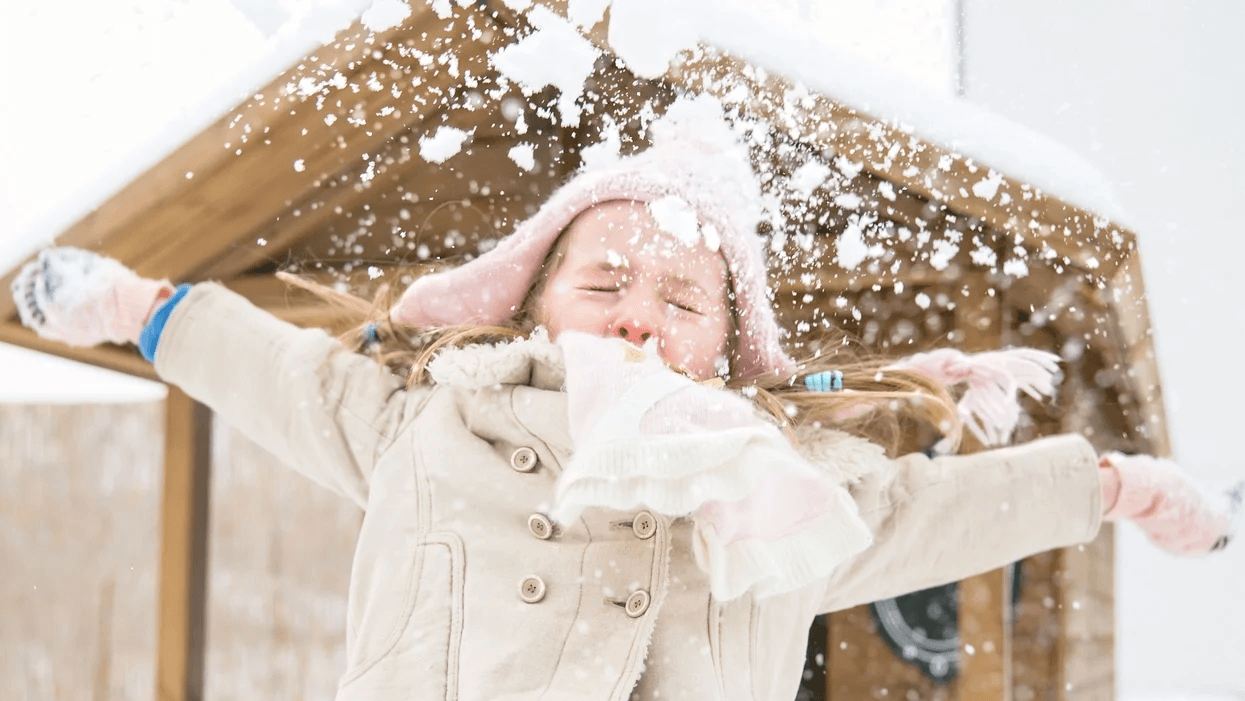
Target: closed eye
[
  {"x": 685, "y": 307},
  {"x": 599, "y": 288}
]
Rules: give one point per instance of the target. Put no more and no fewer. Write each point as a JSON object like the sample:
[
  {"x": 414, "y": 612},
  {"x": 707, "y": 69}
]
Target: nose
[{"x": 632, "y": 330}]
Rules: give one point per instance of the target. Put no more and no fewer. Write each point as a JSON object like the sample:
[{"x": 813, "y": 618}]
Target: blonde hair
[{"x": 901, "y": 410}]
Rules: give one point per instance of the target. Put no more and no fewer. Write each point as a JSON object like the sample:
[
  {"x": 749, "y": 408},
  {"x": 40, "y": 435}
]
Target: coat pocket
[
  {"x": 419, "y": 659},
  {"x": 730, "y": 636}
]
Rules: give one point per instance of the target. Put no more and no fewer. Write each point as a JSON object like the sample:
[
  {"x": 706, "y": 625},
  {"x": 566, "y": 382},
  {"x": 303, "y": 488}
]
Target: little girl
[{"x": 585, "y": 503}]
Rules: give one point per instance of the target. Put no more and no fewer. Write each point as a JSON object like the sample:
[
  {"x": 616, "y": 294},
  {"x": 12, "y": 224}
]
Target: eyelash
[{"x": 682, "y": 307}]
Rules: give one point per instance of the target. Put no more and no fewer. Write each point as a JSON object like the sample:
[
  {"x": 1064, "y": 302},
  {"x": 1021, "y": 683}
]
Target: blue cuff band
[
  {"x": 829, "y": 381},
  {"x": 150, "y": 337}
]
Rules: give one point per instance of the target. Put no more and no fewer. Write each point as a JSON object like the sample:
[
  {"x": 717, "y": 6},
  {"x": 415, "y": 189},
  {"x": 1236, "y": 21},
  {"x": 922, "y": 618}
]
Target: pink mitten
[
  {"x": 81, "y": 298},
  {"x": 993, "y": 382},
  {"x": 1166, "y": 504}
]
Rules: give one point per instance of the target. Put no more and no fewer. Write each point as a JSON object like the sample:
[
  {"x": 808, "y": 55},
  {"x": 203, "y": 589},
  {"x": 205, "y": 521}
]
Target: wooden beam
[
  {"x": 110, "y": 357},
  {"x": 985, "y": 623},
  {"x": 1085, "y": 600},
  {"x": 985, "y": 611},
  {"x": 183, "y": 549},
  {"x": 318, "y": 208}
]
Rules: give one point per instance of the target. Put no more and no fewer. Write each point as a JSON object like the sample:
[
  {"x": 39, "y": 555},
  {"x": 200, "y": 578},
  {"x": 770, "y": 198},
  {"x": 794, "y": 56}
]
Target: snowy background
[{"x": 1149, "y": 92}]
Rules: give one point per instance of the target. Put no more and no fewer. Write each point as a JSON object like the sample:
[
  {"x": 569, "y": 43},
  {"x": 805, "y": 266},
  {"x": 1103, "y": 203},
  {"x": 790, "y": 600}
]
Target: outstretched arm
[
  {"x": 939, "y": 520},
  {"x": 325, "y": 412}
]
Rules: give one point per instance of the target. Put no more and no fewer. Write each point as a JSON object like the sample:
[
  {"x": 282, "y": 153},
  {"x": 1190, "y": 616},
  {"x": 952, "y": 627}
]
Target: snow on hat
[{"x": 695, "y": 162}]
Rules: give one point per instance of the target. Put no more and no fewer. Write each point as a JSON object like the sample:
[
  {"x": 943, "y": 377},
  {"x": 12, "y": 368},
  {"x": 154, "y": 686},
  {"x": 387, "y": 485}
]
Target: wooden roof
[{"x": 320, "y": 171}]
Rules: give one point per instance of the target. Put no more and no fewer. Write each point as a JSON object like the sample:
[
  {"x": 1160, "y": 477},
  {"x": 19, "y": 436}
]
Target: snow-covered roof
[
  {"x": 778, "y": 44},
  {"x": 762, "y": 37}
]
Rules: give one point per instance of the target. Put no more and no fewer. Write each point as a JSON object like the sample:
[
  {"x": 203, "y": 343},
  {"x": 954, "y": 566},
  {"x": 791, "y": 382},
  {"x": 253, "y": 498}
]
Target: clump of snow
[
  {"x": 555, "y": 54},
  {"x": 523, "y": 156},
  {"x": 518, "y": 5},
  {"x": 809, "y": 177},
  {"x": 848, "y": 167},
  {"x": 648, "y": 34},
  {"x": 698, "y": 120},
  {"x": 848, "y": 200},
  {"x": 713, "y": 239},
  {"x": 385, "y": 14},
  {"x": 987, "y": 187},
  {"x": 942, "y": 254},
  {"x": 586, "y": 13},
  {"x": 850, "y": 249},
  {"x": 604, "y": 151},
  {"x": 1016, "y": 268},
  {"x": 300, "y": 166},
  {"x": 442, "y": 9},
  {"x": 985, "y": 256},
  {"x": 677, "y": 218},
  {"x": 445, "y": 143},
  {"x": 616, "y": 259}
]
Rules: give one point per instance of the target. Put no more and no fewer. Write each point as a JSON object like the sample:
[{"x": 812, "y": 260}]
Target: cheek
[{"x": 562, "y": 309}]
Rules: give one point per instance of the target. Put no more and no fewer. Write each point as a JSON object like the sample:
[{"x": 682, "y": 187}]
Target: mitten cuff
[
  {"x": 134, "y": 300},
  {"x": 149, "y": 338}
]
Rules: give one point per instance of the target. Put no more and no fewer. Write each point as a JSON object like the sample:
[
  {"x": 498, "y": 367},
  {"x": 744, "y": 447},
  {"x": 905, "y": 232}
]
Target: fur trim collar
[
  {"x": 538, "y": 362},
  {"x": 533, "y": 361}
]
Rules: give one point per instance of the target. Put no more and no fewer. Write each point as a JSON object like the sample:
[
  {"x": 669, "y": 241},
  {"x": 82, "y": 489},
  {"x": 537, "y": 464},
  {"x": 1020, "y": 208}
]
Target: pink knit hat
[{"x": 695, "y": 158}]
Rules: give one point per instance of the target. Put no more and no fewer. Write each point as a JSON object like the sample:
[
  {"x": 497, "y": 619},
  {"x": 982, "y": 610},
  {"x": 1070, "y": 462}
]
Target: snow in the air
[
  {"x": 851, "y": 249},
  {"x": 385, "y": 14},
  {"x": 523, "y": 156},
  {"x": 648, "y": 34},
  {"x": 809, "y": 177},
  {"x": 1143, "y": 98},
  {"x": 677, "y": 218},
  {"x": 555, "y": 54},
  {"x": 443, "y": 144}
]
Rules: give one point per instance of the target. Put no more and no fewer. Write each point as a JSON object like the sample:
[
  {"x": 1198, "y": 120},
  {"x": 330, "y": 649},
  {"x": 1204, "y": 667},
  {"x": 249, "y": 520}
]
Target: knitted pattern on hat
[{"x": 696, "y": 158}]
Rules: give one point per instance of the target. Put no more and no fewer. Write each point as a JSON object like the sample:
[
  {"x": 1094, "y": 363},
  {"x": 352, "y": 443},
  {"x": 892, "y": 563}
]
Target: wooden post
[
  {"x": 985, "y": 637},
  {"x": 183, "y": 550},
  {"x": 985, "y": 619}
]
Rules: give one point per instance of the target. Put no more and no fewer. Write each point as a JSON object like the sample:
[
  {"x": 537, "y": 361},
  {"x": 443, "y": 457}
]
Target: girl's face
[{"x": 622, "y": 275}]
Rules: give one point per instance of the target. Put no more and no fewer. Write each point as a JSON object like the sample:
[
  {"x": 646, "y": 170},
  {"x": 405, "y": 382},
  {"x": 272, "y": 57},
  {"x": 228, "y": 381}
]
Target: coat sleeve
[
  {"x": 940, "y": 520},
  {"x": 326, "y": 412}
]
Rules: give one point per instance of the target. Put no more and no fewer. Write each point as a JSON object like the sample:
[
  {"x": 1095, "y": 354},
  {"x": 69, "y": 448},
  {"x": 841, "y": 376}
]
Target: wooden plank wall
[
  {"x": 79, "y": 541},
  {"x": 80, "y": 494},
  {"x": 279, "y": 568}
]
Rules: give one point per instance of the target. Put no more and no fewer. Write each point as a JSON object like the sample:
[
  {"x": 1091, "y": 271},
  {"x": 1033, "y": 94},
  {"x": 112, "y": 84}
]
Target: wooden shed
[{"x": 320, "y": 172}]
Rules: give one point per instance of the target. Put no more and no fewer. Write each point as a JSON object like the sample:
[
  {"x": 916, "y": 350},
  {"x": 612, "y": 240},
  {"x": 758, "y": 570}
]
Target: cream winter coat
[{"x": 461, "y": 588}]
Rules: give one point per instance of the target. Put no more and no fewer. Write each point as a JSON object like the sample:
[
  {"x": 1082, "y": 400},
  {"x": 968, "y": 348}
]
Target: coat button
[
  {"x": 644, "y": 525},
  {"x": 637, "y": 603},
  {"x": 532, "y": 589},
  {"x": 540, "y": 526},
  {"x": 523, "y": 459}
]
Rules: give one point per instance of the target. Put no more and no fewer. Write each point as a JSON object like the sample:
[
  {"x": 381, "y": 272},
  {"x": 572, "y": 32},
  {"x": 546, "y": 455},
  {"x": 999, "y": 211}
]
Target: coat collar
[
  {"x": 537, "y": 362},
  {"x": 533, "y": 361}
]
